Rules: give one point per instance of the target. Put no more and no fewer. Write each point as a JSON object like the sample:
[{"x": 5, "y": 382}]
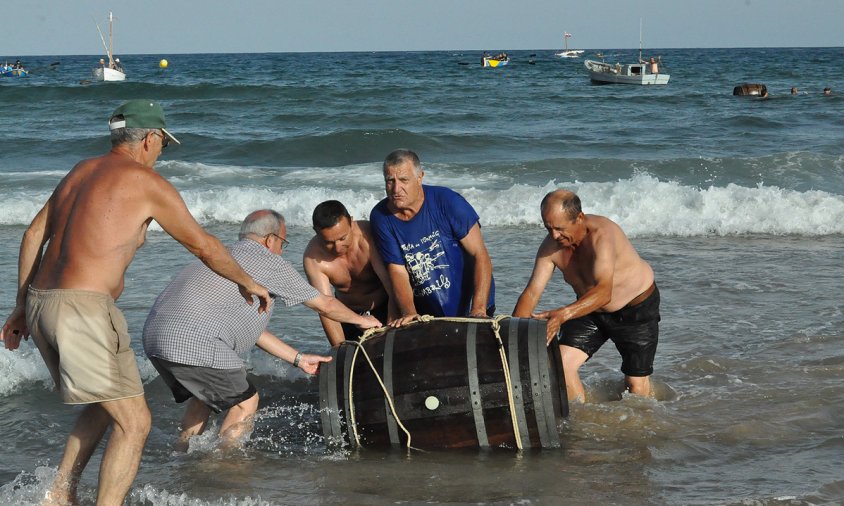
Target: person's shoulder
[
  {"x": 548, "y": 247},
  {"x": 246, "y": 248},
  {"x": 311, "y": 247},
  {"x": 438, "y": 190},
  {"x": 596, "y": 217},
  {"x": 603, "y": 227},
  {"x": 365, "y": 227},
  {"x": 601, "y": 220},
  {"x": 379, "y": 211},
  {"x": 314, "y": 252},
  {"x": 451, "y": 203},
  {"x": 366, "y": 232},
  {"x": 441, "y": 194},
  {"x": 114, "y": 168},
  {"x": 123, "y": 165}
]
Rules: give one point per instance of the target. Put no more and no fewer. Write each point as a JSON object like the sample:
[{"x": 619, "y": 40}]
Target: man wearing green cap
[{"x": 92, "y": 225}]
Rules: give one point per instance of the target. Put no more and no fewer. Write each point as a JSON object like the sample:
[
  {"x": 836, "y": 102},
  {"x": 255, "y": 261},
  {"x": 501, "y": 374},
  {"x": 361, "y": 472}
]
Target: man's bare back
[{"x": 97, "y": 219}]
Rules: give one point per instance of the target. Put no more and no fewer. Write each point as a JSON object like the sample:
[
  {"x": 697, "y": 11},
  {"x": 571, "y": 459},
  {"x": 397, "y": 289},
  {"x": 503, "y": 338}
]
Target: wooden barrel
[
  {"x": 447, "y": 383},
  {"x": 750, "y": 90}
]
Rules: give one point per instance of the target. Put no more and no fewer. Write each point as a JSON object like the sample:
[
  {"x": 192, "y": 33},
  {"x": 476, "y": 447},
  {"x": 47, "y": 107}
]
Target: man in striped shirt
[{"x": 195, "y": 333}]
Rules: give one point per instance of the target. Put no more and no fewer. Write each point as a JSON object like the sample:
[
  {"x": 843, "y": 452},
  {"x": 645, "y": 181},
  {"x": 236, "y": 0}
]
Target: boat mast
[
  {"x": 640, "y": 40},
  {"x": 111, "y": 47}
]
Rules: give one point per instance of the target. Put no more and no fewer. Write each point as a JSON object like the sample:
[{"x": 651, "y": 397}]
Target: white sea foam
[
  {"x": 149, "y": 494},
  {"x": 22, "y": 368},
  {"x": 642, "y": 204},
  {"x": 30, "y": 489}
]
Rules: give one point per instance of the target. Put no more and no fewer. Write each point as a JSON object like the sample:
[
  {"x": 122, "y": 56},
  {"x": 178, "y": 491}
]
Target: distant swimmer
[
  {"x": 342, "y": 260},
  {"x": 827, "y": 91},
  {"x": 794, "y": 90},
  {"x": 73, "y": 261},
  {"x": 617, "y": 297}
]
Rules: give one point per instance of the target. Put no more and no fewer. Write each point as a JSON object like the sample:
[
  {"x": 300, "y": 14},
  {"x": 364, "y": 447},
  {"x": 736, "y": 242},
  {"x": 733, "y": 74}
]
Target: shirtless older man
[
  {"x": 93, "y": 224},
  {"x": 342, "y": 258},
  {"x": 617, "y": 297}
]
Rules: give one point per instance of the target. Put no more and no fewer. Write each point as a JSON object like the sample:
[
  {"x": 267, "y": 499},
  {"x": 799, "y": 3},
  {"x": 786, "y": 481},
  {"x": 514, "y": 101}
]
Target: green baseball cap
[{"x": 140, "y": 114}]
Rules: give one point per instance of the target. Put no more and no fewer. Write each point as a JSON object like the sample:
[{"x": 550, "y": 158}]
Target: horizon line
[{"x": 431, "y": 51}]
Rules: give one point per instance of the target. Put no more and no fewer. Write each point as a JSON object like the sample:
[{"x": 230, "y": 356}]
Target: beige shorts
[{"x": 85, "y": 343}]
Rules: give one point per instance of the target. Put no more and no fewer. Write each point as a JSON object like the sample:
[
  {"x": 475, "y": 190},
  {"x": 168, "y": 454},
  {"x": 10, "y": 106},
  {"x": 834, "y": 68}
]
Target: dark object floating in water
[
  {"x": 750, "y": 90},
  {"x": 447, "y": 383}
]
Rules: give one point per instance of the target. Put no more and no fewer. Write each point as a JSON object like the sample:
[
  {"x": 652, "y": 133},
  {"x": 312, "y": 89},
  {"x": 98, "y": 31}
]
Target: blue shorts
[{"x": 633, "y": 329}]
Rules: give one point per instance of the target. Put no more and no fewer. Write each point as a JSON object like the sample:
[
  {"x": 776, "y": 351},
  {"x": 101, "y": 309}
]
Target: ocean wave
[{"x": 642, "y": 204}]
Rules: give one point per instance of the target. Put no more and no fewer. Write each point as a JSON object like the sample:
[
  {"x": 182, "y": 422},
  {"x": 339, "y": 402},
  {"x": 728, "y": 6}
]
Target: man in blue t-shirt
[{"x": 430, "y": 240}]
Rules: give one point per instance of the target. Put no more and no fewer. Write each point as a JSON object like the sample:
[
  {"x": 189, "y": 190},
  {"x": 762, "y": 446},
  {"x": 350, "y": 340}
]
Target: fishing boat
[
  {"x": 566, "y": 52},
  {"x": 111, "y": 70},
  {"x": 632, "y": 73},
  {"x": 495, "y": 61},
  {"x": 641, "y": 73}
]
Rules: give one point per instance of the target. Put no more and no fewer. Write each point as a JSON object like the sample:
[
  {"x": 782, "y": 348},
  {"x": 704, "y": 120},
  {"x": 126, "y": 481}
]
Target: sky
[{"x": 67, "y": 27}]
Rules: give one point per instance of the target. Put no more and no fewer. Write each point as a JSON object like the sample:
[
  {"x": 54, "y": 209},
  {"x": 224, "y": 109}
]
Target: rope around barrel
[{"x": 496, "y": 326}]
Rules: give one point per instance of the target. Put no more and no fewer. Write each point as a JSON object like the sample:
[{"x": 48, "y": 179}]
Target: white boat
[
  {"x": 642, "y": 73},
  {"x": 633, "y": 73},
  {"x": 566, "y": 52},
  {"x": 112, "y": 70}
]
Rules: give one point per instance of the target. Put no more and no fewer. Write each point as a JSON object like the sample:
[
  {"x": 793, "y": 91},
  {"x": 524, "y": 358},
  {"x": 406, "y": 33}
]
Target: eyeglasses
[
  {"x": 165, "y": 141},
  {"x": 284, "y": 242}
]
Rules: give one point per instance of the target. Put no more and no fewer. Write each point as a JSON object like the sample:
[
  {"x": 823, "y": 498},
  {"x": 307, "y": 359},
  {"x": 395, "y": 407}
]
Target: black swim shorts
[
  {"x": 353, "y": 332},
  {"x": 219, "y": 389},
  {"x": 633, "y": 329}
]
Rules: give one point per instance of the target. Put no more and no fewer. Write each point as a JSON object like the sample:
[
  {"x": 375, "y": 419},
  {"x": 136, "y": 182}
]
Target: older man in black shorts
[{"x": 617, "y": 297}]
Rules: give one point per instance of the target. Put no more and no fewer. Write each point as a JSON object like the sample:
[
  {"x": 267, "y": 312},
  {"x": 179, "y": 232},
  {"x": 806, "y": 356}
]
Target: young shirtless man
[
  {"x": 617, "y": 297},
  {"x": 92, "y": 225},
  {"x": 341, "y": 260}
]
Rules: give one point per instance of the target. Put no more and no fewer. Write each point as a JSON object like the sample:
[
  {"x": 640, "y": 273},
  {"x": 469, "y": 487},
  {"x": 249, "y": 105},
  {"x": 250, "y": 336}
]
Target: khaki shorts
[{"x": 85, "y": 343}]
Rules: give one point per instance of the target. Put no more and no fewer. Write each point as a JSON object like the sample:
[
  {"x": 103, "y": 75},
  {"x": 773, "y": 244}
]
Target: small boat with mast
[
  {"x": 566, "y": 52},
  {"x": 111, "y": 70},
  {"x": 642, "y": 73}
]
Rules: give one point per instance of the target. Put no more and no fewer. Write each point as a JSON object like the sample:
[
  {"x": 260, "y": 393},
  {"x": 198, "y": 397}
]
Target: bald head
[
  {"x": 261, "y": 223},
  {"x": 563, "y": 200}
]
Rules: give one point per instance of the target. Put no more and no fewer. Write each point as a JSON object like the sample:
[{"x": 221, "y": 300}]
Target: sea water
[{"x": 737, "y": 203}]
